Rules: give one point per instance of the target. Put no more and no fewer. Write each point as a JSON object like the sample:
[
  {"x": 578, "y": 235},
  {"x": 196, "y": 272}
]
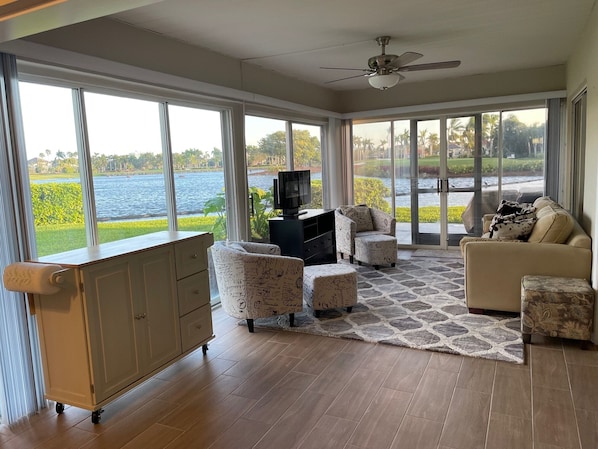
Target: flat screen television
[{"x": 292, "y": 189}]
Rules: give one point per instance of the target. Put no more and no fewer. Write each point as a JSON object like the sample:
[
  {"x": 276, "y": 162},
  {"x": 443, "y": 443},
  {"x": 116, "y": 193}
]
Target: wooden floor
[{"x": 282, "y": 390}]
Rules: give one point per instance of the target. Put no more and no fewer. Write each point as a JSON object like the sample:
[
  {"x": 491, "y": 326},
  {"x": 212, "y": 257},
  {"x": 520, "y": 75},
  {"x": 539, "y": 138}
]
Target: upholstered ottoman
[
  {"x": 329, "y": 286},
  {"x": 376, "y": 249},
  {"x": 556, "y": 307}
]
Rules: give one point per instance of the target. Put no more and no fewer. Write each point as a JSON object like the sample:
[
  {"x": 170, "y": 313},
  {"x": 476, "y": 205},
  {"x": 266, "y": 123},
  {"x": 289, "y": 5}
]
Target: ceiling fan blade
[
  {"x": 430, "y": 66},
  {"x": 346, "y": 78},
  {"x": 345, "y": 68},
  {"x": 406, "y": 58}
]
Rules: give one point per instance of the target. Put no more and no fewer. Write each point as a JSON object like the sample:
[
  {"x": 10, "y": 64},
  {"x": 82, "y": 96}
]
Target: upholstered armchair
[
  {"x": 360, "y": 221},
  {"x": 255, "y": 281}
]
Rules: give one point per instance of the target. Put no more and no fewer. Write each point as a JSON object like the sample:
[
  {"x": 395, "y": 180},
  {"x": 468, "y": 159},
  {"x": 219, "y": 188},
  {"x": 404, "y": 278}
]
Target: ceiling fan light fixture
[{"x": 384, "y": 81}]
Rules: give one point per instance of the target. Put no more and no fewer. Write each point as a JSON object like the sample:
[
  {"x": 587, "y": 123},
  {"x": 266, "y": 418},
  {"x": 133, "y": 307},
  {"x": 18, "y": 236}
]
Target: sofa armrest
[
  {"x": 383, "y": 222},
  {"x": 493, "y": 269},
  {"x": 486, "y": 220}
]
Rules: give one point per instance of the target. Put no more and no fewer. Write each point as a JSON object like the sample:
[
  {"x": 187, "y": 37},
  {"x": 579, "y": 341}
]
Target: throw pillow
[
  {"x": 514, "y": 227},
  {"x": 360, "y": 215},
  {"x": 512, "y": 207}
]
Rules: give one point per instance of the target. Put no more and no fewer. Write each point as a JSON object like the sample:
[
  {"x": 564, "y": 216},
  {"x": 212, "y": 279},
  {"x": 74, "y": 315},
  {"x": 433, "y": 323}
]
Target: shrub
[
  {"x": 57, "y": 203},
  {"x": 372, "y": 191}
]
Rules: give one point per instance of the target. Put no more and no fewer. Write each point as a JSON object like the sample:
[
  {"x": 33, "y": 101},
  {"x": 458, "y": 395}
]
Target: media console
[{"x": 309, "y": 236}]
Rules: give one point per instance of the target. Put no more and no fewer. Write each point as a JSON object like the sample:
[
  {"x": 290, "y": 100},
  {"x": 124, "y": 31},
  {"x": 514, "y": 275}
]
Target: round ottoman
[
  {"x": 376, "y": 249},
  {"x": 329, "y": 286}
]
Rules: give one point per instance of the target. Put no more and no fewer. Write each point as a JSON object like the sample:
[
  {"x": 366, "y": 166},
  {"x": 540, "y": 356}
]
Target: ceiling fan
[{"x": 383, "y": 70}]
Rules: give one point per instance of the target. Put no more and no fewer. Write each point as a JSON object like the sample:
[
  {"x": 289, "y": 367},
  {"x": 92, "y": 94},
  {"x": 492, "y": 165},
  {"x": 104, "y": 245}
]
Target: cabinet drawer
[
  {"x": 196, "y": 327},
  {"x": 191, "y": 257},
  {"x": 193, "y": 292}
]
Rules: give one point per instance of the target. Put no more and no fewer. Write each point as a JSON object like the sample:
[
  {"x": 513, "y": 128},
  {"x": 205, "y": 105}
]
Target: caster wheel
[
  {"x": 204, "y": 349},
  {"x": 95, "y": 416},
  {"x": 59, "y": 408}
]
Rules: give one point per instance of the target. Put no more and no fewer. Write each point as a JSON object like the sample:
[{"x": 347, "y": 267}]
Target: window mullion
[{"x": 85, "y": 168}]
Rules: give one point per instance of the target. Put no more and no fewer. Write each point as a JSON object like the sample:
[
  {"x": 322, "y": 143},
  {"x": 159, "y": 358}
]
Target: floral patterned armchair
[{"x": 255, "y": 281}]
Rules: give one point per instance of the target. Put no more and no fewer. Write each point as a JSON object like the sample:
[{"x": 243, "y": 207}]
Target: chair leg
[
  {"x": 342, "y": 255},
  {"x": 250, "y": 324},
  {"x": 291, "y": 320}
]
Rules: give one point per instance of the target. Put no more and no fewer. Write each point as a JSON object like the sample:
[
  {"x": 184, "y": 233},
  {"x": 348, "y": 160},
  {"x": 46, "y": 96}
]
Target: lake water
[{"x": 141, "y": 196}]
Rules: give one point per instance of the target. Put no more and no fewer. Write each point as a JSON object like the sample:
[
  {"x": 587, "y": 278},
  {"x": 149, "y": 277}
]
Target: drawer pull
[
  {"x": 198, "y": 326},
  {"x": 196, "y": 292},
  {"x": 140, "y": 316},
  {"x": 194, "y": 256}
]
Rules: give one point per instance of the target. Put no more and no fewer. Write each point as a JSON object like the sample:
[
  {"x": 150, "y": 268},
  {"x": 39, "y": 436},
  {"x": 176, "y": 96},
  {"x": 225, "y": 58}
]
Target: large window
[
  {"x": 274, "y": 145},
  {"x": 53, "y": 162},
  {"x": 152, "y": 166},
  {"x": 127, "y": 166}
]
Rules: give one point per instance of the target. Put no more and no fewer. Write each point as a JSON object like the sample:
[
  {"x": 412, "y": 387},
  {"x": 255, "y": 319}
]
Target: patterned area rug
[{"x": 419, "y": 304}]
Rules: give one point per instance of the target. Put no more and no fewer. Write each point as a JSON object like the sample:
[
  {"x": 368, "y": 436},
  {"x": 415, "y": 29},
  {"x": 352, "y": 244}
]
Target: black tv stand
[{"x": 309, "y": 235}]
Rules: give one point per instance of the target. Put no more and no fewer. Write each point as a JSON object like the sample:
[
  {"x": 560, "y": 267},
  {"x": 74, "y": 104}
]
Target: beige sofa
[{"x": 557, "y": 246}]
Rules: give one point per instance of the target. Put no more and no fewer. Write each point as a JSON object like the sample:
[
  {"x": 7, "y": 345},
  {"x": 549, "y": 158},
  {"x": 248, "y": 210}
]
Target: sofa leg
[
  {"x": 349, "y": 309},
  {"x": 342, "y": 255},
  {"x": 291, "y": 320},
  {"x": 376, "y": 267},
  {"x": 350, "y": 259},
  {"x": 476, "y": 311},
  {"x": 317, "y": 313},
  {"x": 250, "y": 324},
  {"x": 527, "y": 338}
]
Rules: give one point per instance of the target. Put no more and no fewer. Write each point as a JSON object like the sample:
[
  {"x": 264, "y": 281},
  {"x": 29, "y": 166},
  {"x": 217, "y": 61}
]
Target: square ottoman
[
  {"x": 329, "y": 286},
  {"x": 376, "y": 249},
  {"x": 556, "y": 307}
]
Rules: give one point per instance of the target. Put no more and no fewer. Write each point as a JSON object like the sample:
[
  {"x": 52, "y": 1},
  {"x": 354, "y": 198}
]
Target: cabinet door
[
  {"x": 113, "y": 338},
  {"x": 157, "y": 310}
]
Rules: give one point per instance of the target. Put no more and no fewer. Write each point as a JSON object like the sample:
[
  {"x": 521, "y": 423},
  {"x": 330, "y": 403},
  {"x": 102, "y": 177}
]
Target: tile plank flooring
[{"x": 283, "y": 390}]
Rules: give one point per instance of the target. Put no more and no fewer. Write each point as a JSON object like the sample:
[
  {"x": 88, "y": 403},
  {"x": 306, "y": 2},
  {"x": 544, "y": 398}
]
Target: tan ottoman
[
  {"x": 376, "y": 250},
  {"x": 329, "y": 286},
  {"x": 556, "y": 307}
]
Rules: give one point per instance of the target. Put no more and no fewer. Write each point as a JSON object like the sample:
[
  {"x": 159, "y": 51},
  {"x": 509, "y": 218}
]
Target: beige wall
[{"x": 582, "y": 71}]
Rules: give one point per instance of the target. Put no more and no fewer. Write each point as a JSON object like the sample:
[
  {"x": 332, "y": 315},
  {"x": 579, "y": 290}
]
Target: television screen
[{"x": 292, "y": 190}]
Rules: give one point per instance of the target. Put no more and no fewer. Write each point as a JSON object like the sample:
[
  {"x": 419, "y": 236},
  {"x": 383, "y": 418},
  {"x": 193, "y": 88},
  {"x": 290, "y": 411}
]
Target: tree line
[
  {"x": 270, "y": 151},
  {"x": 519, "y": 140}
]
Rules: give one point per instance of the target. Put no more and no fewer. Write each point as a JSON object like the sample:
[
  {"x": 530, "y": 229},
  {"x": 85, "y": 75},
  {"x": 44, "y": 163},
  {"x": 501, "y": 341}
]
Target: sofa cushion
[
  {"x": 515, "y": 227},
  {"x": 360, "y": 215},
  {"x": 553, "y": 225}
]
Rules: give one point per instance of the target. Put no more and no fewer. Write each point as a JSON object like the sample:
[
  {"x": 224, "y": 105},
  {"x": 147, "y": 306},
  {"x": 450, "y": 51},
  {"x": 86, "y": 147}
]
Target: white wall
[{"x": 582, "y": 71}]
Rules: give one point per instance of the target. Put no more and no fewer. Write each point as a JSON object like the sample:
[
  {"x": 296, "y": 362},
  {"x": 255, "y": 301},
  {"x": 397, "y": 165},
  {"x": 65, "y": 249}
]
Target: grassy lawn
[{"x": 52, "y": 239}]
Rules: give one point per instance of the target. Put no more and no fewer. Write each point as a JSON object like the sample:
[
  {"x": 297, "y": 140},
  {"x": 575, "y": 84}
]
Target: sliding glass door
[{"x": 448, "y": 171}]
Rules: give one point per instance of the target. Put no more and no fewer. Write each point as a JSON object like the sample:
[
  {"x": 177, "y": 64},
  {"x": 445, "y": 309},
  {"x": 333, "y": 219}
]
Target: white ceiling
[{"x": 296, "y": 37}]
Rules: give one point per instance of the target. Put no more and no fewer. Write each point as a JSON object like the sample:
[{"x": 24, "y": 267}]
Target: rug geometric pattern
[{"x": 420, "y": 304}]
